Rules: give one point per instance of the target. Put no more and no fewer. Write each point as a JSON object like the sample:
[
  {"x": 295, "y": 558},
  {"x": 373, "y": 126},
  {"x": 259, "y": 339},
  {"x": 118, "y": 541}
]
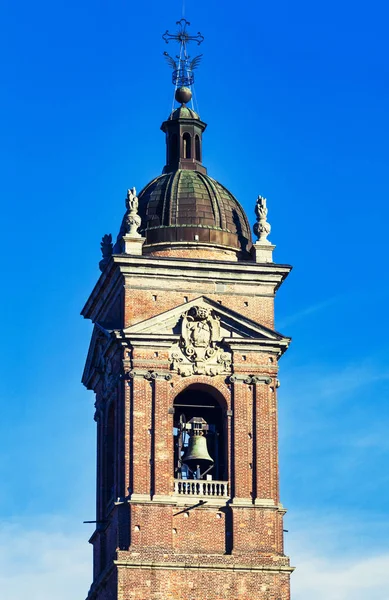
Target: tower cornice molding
[
  {"x": 181, "y": 270},
  {"x": 236, "y": 566}
]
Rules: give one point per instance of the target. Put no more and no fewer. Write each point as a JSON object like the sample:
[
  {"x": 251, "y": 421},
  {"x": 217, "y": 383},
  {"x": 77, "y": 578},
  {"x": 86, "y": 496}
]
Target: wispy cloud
[
  {"x": 305, "y": 312},
  {"x": 328, "y": 414},
  {"x": 336, "y": 558},
  {"x": 336, "y": 578},
  {"x": 317, "y": 382},
  {"x": 350, "y": 378},
  {"x": 34, "y": 562},
  {"x": 40, "y": 563}
]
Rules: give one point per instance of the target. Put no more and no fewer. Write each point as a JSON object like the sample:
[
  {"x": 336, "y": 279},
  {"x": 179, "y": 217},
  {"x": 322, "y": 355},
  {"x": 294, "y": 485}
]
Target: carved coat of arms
[{"x": 198, "y": 350}]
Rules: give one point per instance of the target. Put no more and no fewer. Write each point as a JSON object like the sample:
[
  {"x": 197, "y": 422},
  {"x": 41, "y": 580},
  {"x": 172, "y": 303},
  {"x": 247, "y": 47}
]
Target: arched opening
[
  {"x": 109, "y": 452},
  {"x": 187, "y": 145},
  {"x": 197, "y": 148},
  {"x": 173, "y": 148},
  {"x": 200, "y": 440}
]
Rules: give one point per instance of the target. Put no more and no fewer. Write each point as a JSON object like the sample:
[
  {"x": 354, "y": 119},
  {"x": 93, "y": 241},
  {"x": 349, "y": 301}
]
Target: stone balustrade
[{"x": 201, "y": 488}]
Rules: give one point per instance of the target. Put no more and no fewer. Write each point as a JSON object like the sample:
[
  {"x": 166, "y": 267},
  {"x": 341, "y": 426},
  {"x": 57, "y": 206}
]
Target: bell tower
[{"x": 184, "y": 365}]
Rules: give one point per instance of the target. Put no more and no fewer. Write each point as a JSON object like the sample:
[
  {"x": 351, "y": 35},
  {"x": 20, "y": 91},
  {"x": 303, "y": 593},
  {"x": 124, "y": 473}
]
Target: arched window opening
[
  {"x": 197, "y": 148},
  {"x": 187, "y": 145},
  {"x": 109, "y": 470},
  {"x": 173, "y": 148},
  {"x": 200, "y": 450}
]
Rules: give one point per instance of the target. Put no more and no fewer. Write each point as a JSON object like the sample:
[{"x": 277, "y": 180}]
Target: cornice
[
  {"x": 160, "y": 266},
  {"x": 182, "y": 268},
  {"x": 107, "y": 285},
  {"x": 192, "y": 566}
]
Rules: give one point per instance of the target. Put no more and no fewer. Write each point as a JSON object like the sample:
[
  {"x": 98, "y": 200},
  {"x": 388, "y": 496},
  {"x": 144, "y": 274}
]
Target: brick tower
[{"x": 183, "y": 361}]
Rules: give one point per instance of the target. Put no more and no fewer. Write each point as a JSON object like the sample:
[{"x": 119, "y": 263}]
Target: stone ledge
[
  {"x": 178, "y": 500},
  {"x": 182, "y": 501},
  {"x": 210, "y": 567},
  {"x": 139, "y": 498}
]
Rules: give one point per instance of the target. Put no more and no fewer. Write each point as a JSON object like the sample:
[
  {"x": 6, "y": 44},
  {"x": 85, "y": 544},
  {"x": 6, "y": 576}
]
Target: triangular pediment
[{"x": 230, "y": 323}]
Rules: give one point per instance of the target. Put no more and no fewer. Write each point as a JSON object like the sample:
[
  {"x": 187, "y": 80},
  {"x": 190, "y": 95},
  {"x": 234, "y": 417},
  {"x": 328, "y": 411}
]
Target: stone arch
[
  {"x": 216, "y": 385},
  {"x": 187, "y": 145},
  {"x": 201, "y": 405},
  {"x": 197, "y": 148}
]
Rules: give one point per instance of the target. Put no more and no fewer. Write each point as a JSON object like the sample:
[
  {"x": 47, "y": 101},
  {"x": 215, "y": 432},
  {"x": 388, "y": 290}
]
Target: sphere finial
[{"x": 183, "y": 95}]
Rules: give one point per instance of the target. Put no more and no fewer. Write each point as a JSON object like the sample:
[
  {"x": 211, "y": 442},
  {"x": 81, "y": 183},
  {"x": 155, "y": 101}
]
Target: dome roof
[
  {"x": 183, "y": 112},
  {"x": 189, "y": 206}
]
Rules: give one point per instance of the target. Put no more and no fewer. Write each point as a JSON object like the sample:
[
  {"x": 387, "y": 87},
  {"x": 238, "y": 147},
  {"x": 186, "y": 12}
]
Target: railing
[{"x": 195, "y": 487}]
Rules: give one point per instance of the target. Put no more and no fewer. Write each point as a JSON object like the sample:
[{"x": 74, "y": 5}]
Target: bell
[{"x": 197, "y": 454}]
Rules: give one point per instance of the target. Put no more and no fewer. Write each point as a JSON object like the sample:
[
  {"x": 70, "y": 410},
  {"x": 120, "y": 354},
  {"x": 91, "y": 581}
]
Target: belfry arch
[
  {"x": 200, "y": 406},
  {"x": 187, "y": 145}
]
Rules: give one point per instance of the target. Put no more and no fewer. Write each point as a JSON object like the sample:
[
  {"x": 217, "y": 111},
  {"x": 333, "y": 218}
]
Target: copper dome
[{"x": 188, "y": 206}]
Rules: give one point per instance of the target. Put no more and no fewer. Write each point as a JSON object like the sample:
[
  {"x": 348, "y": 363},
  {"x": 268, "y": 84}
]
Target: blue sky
[{"x": 295, "y": 96}]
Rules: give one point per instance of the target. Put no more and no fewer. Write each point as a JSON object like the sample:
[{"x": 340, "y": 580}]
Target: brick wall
[
  {"x": 210, "y": 253},
  {"x": 144, "y": 304},
  {"x": 199, "y": 584}
]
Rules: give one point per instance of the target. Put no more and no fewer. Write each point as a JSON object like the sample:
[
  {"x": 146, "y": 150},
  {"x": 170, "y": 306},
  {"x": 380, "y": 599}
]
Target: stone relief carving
[
  {"x": 250, "y": 379},
  {"x": 149, "y": 375},
  {"x": 262, "y": 227},
  {"x": 110, "y": 372},
  {"x": 198, "y": 351},
  {"x": 133, "y": 220}
]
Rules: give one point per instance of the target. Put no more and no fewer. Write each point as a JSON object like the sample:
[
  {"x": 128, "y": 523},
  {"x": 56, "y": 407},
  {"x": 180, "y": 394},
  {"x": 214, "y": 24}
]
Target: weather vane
[{"x": 183, "y": 66}]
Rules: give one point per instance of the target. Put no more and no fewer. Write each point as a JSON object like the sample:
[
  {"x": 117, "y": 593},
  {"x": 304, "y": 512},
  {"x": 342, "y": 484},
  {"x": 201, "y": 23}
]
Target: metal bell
[{"x": 197, "y": 452}]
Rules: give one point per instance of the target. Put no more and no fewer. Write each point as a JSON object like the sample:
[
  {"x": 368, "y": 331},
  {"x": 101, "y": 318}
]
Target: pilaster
[
  {"x": 163, "y": 441},
  {"x": 141, "y": 438},
  {"x": 242, "y": 449}
]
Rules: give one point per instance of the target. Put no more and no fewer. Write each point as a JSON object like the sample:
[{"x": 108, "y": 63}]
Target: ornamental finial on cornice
[
  {"x": 133, "y": 220},
  {"x": 262, "y": 227},
  {"x": 106, "y": 250}
]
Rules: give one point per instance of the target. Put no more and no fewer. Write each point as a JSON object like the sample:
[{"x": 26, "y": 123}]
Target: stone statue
[
  {"x": 106, "y": 250},
  {"x": 262, "y": 227},
  {"x": 132, "y": 201},
  {"x": 132, "y": 218}
]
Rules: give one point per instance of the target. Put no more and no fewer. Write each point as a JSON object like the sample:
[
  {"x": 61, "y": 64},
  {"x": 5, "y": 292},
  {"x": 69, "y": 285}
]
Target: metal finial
[{"x": 183, "y": 65}]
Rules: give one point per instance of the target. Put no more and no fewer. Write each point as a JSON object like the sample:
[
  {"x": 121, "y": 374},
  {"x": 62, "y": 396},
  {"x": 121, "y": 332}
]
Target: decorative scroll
[{"x": 198, "y": 351}]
